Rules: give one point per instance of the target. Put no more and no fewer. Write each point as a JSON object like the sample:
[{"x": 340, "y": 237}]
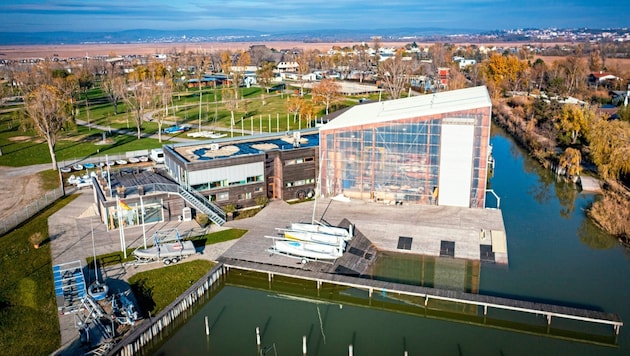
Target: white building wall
[
  {"x": 456, "y": 160},
  {"x": 231, "y": 174}
]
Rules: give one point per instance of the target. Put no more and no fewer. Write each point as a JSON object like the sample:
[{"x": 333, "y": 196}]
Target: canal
[{"x": 556, "y": 256}]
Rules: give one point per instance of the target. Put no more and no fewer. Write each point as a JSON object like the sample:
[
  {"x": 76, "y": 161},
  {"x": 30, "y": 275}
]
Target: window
[
  {"x": 254, "y": 179},
  {"x": 247, "y": 195},
  {"x": 258, "y": 190},
  {"x": 217, "y": 184},
  {"x": 223, "y": 196}
]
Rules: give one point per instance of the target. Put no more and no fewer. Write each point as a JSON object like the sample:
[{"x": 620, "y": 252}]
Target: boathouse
[{"x": 428, "y": 149}]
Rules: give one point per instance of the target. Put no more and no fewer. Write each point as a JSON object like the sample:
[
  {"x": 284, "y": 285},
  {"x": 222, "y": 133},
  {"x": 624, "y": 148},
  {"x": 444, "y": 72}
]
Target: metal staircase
[{"x": 203, "y": 205}]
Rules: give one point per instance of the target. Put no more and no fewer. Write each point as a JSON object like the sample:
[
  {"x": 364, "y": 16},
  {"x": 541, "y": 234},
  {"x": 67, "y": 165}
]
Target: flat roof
[
  {"x": 471, "y": 230},
  {"x": 246, "y": 145},
  {"x": 422, "y": 105}
]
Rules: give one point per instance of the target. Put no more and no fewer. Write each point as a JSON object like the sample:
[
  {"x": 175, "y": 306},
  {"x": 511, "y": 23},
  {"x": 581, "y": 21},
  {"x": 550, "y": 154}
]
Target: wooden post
[
  {"x": 350, "y": 351},
  {"x": 304, "y": 345},
  {"x": 258, "y": 339},
  {"x": 207, "y": 328}
]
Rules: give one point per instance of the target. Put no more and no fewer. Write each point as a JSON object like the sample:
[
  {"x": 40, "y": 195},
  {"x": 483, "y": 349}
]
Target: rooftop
[
  {"x": 226, "y": 148},
  {"x": 438, "y": 103}
]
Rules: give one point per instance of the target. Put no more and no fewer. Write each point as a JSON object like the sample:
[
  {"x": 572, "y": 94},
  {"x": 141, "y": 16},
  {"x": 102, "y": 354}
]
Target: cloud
[{"x": 98, "y": 15}]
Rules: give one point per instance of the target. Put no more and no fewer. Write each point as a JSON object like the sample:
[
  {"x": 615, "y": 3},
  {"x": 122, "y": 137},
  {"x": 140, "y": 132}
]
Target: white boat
[
  {"x": 347, "y": 234},
  {"x": 167, "y": 252},
  {"x": 77, "y": 167},
  {"x": 97, "y": 290},
  {"x": 134, "y": 160},
  {"x": 121, "y": 162},
  {"x": 306, "y": 250},
  {"x": 65, "y": 169},
  {"x": 144, "y": 158},
  {"x": 73, "y": 179},
  {"x": 310, "y": 236}
]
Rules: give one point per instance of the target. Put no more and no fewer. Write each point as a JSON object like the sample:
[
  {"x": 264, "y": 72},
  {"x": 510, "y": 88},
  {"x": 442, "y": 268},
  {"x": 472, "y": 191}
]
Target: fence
[
  {"x": 132, "y": 344},
  {"x": 13, "y": 220}
]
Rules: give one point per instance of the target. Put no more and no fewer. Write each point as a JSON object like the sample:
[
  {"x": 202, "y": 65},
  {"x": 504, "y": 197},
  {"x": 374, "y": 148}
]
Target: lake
[{"x": 556, "y": 256}]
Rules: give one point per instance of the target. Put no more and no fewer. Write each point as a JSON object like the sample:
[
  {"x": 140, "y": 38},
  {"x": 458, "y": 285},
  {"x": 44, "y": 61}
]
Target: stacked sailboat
[{"x": 311, "y": 241}]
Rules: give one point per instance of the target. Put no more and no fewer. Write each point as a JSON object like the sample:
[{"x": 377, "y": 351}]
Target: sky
[{"x": 297, "y": 15}]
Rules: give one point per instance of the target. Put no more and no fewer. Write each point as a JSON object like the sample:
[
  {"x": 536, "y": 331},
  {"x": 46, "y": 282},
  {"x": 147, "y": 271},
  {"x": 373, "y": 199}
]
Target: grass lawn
[
  {"x": 22, "y": 146},
  {"x": 156, "y": 289},
  {"x": 28, "y": 310}
]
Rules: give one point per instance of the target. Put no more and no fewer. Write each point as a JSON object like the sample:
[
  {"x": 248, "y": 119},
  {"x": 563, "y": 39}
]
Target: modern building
[
  {"x": 429, "y": 149},
  {"x": 241, "y": 171}
]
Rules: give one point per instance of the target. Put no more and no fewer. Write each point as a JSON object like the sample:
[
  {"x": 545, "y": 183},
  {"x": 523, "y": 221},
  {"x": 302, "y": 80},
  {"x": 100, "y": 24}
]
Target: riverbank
[{"x": 611, "y": 213}]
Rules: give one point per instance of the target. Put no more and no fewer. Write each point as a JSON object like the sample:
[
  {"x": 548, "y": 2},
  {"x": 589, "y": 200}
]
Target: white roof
[{"x": 415, "y": 106}]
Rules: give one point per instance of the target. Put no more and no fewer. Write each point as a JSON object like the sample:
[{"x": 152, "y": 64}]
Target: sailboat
[
  {"x": 315, "y": 227},
  {"x": 304, "y": 250},
  {"x": 97, "y": 290}
]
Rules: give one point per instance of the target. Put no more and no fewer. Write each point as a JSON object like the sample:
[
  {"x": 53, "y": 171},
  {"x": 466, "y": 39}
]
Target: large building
[
  {"x": 240, "y": 171},
  {"x": 429, "y": 149}
]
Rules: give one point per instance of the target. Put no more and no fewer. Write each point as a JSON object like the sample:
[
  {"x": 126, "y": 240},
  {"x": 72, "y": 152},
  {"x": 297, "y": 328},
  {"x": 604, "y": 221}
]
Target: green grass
[
  {"x": 221, "y": 236},
  {"x": 28, "y": 310},
  {"x": 50, "y": 179},
  {"x": 156, "y": 289},
  {"x": 79, "y": 142}
]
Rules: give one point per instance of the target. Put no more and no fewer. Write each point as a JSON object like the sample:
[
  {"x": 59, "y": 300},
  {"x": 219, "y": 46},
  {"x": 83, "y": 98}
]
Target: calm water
[{"x": 556, "y": 256}]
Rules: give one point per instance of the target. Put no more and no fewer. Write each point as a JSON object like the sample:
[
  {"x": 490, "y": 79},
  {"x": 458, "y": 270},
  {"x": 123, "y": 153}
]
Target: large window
[
  {"x": 397, "y": 161},
  {"x": 132, "y": 214}
]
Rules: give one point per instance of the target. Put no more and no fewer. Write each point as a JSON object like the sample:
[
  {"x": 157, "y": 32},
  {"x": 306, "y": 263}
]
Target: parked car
[{"x": 176, "y": 129}]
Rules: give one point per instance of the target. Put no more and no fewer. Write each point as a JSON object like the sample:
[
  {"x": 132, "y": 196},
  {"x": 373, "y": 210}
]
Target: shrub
[{"x": 202, "y": 220}]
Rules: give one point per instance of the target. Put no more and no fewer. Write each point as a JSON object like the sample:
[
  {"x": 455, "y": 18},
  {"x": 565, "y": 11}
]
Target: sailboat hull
[
  {"x": 309, "y": 250},
  {"x": 317, "y": 237},
  {"x": 323, "y": 229}
]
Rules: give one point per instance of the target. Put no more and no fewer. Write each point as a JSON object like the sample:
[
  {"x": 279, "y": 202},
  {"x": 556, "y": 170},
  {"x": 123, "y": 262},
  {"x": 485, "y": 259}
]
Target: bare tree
[
  {"x": 264, "y": 77},
  {"x": 230, "y": 101},
  {"x": 139, "y": 97},
  {"x": 112, "y": 85},
  {"x": 44, "y": 105},
  {"x": 294, "y": 105},
  {"x": 394, "y": 74}
]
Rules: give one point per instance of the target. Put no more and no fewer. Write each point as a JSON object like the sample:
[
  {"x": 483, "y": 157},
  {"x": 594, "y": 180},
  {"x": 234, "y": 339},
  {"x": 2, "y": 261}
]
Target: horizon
[{"x": 264, "y": 16}]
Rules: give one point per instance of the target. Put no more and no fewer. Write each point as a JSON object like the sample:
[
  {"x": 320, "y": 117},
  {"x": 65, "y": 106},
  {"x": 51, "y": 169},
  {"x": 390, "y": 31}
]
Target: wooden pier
[{"x": 550, "y": 311}]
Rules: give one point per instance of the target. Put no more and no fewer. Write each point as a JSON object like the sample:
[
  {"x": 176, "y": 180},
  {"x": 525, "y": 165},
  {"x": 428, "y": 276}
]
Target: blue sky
[{"x": 282, "y": 15}]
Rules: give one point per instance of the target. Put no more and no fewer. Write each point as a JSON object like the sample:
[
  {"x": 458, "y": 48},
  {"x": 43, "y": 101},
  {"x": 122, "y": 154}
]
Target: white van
[{"x": 157, "y": 155}]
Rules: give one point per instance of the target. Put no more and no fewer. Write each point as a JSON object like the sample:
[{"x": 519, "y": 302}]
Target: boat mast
[
  {"x": 318, "y": 182},
  {"x": 94, "y": 253}
]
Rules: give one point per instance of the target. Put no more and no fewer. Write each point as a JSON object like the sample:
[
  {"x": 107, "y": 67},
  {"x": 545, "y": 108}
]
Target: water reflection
[{"x": 427, "y": 271}]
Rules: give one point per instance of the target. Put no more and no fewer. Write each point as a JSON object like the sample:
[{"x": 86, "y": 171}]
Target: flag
[{"x": 124, "y": 205}]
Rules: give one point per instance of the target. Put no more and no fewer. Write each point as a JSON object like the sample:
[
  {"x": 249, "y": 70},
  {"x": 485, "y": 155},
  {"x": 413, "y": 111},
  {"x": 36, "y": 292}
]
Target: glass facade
[
  {"x": 398, "y": 161},
  {"x": 132, "y": 216}
]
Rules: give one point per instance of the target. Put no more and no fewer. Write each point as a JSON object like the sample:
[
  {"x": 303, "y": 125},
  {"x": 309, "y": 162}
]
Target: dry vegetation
[{"x": 611, "y": 212}]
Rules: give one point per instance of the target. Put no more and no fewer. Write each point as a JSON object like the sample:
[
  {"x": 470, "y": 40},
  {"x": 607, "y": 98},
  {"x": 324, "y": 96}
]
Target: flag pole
[
  {"x": 121, "y": 230},
  {"x": 144, "y": 232}
]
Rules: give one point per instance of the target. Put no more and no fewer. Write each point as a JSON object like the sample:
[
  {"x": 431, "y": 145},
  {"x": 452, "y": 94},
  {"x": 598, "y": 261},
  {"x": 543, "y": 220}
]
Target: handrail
[{"x": 215, "y": 213}]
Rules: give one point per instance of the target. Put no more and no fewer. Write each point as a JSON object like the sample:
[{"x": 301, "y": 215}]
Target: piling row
[{"x": 133, "y": 343}]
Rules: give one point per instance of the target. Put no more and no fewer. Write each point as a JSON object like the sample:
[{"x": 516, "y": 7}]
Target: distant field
[
  {"x": 65, "y": 51},
  {"x": 611, "y": 63}
]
